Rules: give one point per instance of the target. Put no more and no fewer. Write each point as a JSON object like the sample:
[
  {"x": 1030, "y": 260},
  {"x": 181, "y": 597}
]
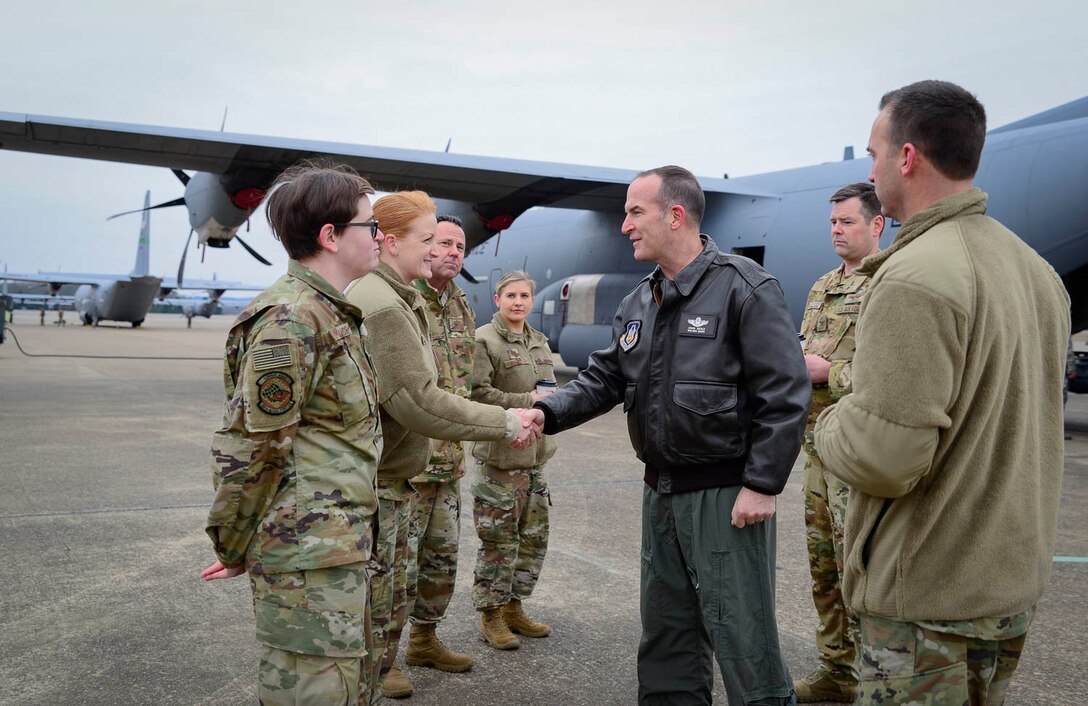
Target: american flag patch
[
  {"x": 341, "y": 331},
  {"x": 272, "y": 357}
]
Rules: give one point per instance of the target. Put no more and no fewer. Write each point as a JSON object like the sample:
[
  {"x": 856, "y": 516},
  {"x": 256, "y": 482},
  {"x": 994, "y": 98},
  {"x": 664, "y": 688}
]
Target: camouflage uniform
[
  {"x": 939, "y": 663},
  {"x": 831, "y": 314},
  {"x": 391, "y": 591},
  {"x": 510, "y": 495},
  {"x": 294, "y": 467},
  {"x": 436, "y": 518}
]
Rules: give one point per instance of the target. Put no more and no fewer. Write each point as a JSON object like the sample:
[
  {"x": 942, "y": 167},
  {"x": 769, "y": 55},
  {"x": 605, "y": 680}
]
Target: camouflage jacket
[
  {"x": 505, "y": 372},
  {"x": 453, "y": 340},
  {"x": 413, "y": 409},
  {"x": 831, "y": 316},
  {"x": 294, "y": 464}
]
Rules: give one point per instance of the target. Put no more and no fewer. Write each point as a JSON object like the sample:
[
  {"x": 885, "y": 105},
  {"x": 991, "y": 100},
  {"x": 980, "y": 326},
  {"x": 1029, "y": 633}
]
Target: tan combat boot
[
  {"x": 821, "y": 686},
  {"x": 494, "y": 631},
  {"x": 396, "y": 684},
  {"x": 426, "y": 650},
  {"x": 521, "y": 623}
]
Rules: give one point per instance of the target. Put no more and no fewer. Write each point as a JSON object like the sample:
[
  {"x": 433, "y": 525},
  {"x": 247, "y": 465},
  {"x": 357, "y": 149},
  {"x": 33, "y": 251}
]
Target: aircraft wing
[
  {"x": 59, "y": 279},
  {"x": 215, "y": 284},
  {"x": 499, "y": 189}
]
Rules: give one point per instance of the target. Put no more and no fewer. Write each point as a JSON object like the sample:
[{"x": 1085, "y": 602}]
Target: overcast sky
[{"x": 716, "y": 86}]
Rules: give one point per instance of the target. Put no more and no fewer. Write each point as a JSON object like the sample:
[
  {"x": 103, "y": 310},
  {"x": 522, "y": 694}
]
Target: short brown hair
[
  {"x": 865, "y": 192},
  {"x": 309, "y": 195},
  {"x": 944, "y": 121},
  {"x": 679, "y": 187}
]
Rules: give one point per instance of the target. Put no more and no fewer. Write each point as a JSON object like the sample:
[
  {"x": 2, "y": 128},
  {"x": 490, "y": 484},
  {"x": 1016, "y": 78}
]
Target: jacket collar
[
  {"x": 687, "y": 278},
  {"x": 500, "y": 325},
  {"x": 315, "y": 281},
  {"x": 405, "y": 291},
  {"x": 967, "y": 203},
  {"x": 431, "y": 294}
]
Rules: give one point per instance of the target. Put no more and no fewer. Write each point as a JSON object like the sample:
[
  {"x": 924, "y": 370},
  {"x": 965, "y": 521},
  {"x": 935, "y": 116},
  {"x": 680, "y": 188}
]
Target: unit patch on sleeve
[
  {"x": 629, "y": 339},
  {"x": 702, "y": 325},
  {"x": 274, "y": 392},
  {"x": 271, "y": 357}
]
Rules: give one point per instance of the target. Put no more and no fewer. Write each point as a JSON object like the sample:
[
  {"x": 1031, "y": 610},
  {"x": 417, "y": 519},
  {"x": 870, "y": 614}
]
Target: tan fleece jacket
[
  {"x": 952, "y": 439},
  {"x": 413, "y": 408},
  {"x": 505, "y": 370}
]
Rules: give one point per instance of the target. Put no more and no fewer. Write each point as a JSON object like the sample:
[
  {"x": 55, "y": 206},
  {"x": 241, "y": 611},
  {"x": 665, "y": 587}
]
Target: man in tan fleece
[{"x": 952, "y": 437}]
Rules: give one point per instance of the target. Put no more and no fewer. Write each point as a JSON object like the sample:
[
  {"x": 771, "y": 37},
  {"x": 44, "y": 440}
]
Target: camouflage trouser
[
  {"x": 433, "y": 538},
  {"x": 510, "y": 511},
  {"x": 390, "y": 593},
  {"x": 313, "y": 633},
  {"x": 905, "y": 663},
  {"x": 825, "y": 517}
]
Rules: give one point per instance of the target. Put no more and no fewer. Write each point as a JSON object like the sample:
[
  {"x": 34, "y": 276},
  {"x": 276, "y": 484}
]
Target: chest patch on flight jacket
[
  {"x": 701, "y": 325},
  {"x": 629, "y": 339}
]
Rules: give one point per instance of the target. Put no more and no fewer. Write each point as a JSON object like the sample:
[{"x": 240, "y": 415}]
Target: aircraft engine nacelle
[
  {"x": 86, "y": 303},
  {"x": 576, "y": 313},
  {"x": 213, "y": 213}
]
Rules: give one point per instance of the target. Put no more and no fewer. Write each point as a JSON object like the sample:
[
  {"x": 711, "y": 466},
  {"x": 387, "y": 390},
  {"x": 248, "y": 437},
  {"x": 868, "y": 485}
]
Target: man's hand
[
  {"x": 818, "y": 367},
  {"x": 218, "y": 571},
  {"x": 532, "y": 427},
  {"x": 752, "y": 507}
]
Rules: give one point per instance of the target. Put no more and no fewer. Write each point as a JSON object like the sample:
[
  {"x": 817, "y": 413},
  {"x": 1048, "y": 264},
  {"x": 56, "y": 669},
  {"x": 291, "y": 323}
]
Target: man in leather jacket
[{"x": 706, "y": 361}]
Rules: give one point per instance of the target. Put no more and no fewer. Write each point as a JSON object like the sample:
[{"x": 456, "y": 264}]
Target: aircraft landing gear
[
  {"x": 136, "y": 324},
  {"x": 86, "y": 319}
]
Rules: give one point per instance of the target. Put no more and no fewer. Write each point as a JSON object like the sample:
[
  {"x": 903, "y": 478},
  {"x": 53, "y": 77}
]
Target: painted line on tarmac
[{"x": 1071, "y": 559}]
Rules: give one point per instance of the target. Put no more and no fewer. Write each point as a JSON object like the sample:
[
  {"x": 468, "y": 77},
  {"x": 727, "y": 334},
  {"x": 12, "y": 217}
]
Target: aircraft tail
[{"x": 143, "y": 249}]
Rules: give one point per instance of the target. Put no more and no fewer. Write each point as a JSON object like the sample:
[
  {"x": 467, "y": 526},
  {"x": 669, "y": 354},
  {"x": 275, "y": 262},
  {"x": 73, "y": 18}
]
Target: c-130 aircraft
[{"x": 561, "y": 222}]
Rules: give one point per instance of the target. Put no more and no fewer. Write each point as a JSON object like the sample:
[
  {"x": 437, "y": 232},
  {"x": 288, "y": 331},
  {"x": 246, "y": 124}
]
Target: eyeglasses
[{"x": 372, "y": 224}]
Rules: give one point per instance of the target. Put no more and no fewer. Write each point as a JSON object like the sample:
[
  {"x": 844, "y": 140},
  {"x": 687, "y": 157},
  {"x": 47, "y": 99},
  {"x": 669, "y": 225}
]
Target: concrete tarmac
[{"x": 104, "y": 487}]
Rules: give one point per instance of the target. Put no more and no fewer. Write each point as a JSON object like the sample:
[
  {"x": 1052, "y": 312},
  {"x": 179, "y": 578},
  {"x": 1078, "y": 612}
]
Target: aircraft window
[{"x": 752, "y": 253}]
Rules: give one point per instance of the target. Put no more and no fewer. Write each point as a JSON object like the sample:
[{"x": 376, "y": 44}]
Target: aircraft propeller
[{"x": 246, "y": 198}]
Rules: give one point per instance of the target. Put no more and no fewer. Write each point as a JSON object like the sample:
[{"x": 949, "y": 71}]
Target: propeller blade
[
  {"x": 182, "y": 176},
  {"x": 176, "y": 202},
  {"x": 251, "y": 251},
  {"x": 184, "y": 254},
  {"x": 469, "y": 277}
]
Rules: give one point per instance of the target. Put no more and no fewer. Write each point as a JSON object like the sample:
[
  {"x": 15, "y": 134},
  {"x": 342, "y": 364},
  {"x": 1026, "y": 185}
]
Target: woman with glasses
[{"x": 295, "y": 460}]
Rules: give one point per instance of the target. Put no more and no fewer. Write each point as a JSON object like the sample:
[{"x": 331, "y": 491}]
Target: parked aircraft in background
[
  {"x": 208, "y": 305},
  {"x": 1035, "y": 171},
  {"x": 123, "y": 297}
]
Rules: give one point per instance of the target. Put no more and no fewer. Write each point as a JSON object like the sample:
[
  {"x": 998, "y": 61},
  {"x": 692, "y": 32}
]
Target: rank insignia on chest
[
  {"x": 629, "y": 339},
  {"x": 456, "y": 324},
  {"x": 275, "y": 392},
  {"x": 701, "y": 325}
]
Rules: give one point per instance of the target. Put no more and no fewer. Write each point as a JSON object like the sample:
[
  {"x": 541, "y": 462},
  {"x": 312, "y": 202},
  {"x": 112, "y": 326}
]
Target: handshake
[
  {"x": 532, "y": 420},
  {"x": 532, "y": 427}
]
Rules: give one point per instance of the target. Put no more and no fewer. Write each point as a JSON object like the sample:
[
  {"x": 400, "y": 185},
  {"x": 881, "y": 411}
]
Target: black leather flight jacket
[{"x": 710, "y": 373}]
